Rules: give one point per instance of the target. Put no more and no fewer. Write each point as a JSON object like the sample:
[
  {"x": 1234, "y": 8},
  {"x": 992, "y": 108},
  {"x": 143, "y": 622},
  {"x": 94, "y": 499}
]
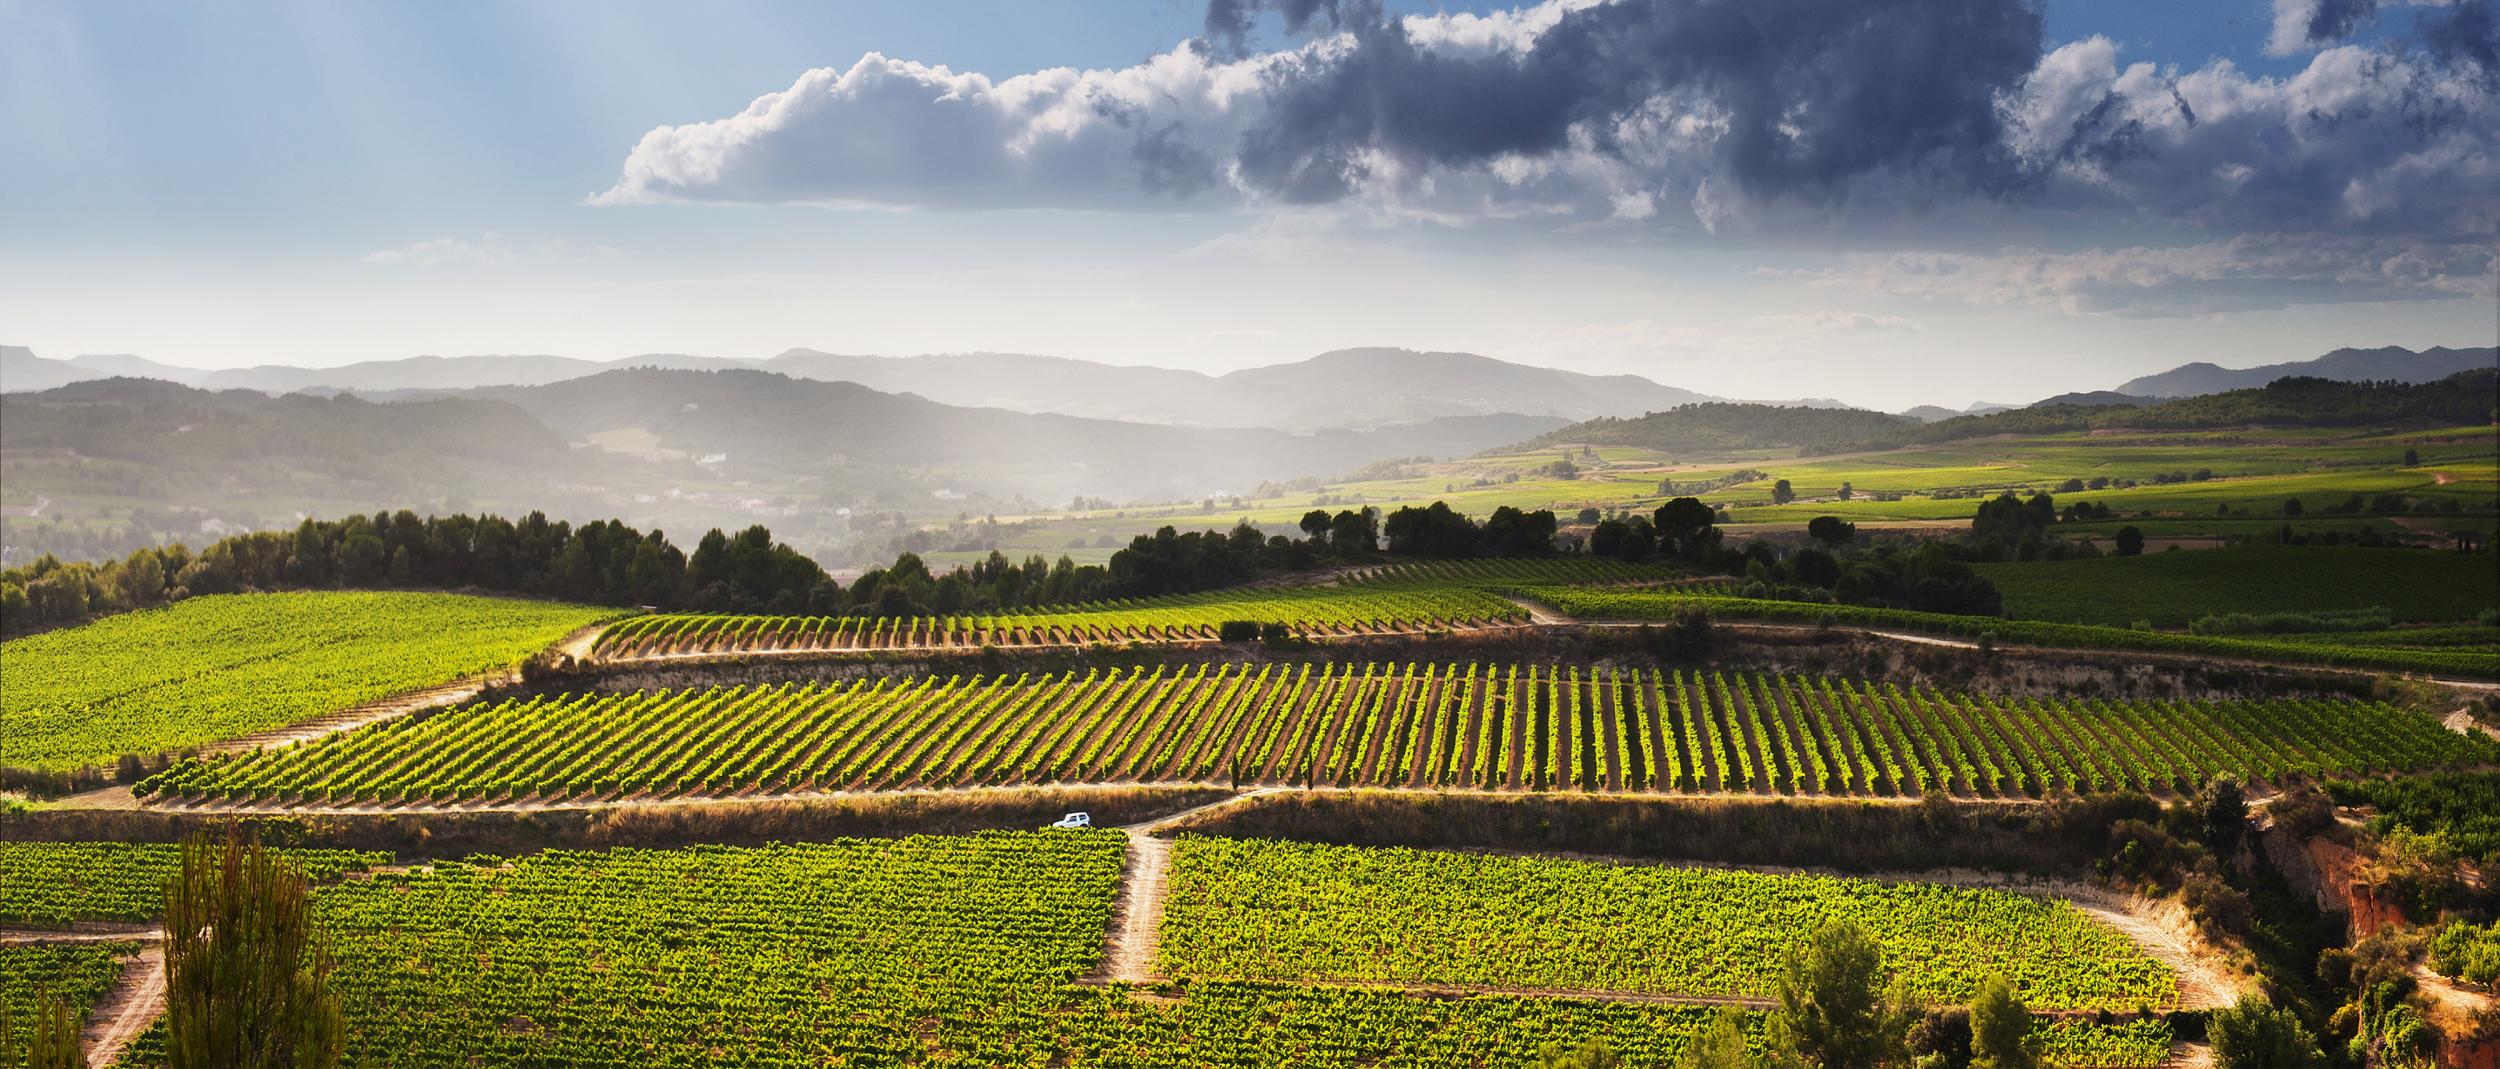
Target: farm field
[
  {"x": 1260, "y": 910},
  {"x": 2173, "y": 589},
  {"x": 1441, "y": 725},
  {"x": 2255, "y": 472},
  {"x": 2456, "y": 652},
  {"x": 1427, "y": 596},
  {"x": 211, "y": 668},
  {"x": 74, "y": 973},
  {"x": 929, "y": 950},
  {"x": 57, "y": 884}
]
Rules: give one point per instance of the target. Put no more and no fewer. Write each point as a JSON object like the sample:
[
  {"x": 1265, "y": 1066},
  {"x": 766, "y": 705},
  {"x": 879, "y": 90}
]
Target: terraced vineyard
[
  {"x": 2439, "y": 650},
  {"x": 1385, "y": 725},
  {"x": 1263, "y": 910},
  {"x": 1433, "y": 596},
  {"x": 927, "y": 950},
  {"x": 54, "y": 884},
  {"x": 211, "y": 668}
]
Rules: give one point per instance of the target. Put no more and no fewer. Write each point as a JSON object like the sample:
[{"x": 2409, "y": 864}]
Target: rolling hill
[{"x": 2389, "y": 362}]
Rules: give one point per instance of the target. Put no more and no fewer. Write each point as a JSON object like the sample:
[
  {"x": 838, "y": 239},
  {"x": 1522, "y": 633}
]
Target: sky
[{"x": 1892, "y": 203}]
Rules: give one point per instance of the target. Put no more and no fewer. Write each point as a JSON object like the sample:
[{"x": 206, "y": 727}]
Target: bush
[
  {"x": 2254, "y": 1035},
  {"x": 1237, "y": 631}
]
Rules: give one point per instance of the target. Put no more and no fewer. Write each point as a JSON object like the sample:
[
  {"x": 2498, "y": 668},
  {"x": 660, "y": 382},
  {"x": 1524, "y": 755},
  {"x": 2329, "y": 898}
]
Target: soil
[{"x": 134, "y": 1003}]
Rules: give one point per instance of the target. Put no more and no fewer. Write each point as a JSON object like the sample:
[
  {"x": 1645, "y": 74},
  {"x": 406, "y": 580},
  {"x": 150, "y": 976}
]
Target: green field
[
  {"x": 1420, "y": 596},
  {"x": 75, "y": 973},
  {"x": 940, "y": 951},
  {"x": 1383, "y": 725},
  {"x": 2371, "y": 650},
  {"x": 2254, "y": 471},
  {"x": 211, "y": 668},
  {"x": 2172, "y": 589},
  {"x": 1247, "y": 909},
  {"x": 58, "y": 884}
]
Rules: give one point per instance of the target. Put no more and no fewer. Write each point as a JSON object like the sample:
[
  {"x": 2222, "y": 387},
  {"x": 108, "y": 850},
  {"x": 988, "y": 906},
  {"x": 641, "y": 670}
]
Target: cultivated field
[
  {"x": 1384, "y": 725},
  {"x": 213, "y": 668}
]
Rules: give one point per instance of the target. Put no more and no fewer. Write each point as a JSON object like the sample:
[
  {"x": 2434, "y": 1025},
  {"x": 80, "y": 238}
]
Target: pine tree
[{"x": 247, "y": 980}]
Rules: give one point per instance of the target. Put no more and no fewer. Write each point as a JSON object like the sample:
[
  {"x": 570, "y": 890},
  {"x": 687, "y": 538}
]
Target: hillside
[
  {"x": 1723, "y": 427},
  {"x": 2465, "y": 397},
  {"x": 763, "y": 424},
  {"x": 662, "y": 448},
  {"x": 2389, "y": 362}
]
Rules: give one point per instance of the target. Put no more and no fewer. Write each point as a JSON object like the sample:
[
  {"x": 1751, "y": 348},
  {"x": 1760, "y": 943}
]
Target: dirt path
[
  {"x": 2463, "y": 723},
  {"x": 135, "y": 1002},
  {"x": 84, "y": 932},
  {"x": 371, "y": 712},
  {"x": 2186, "y": 1055},
  {"x": 1137, "y": 914}
]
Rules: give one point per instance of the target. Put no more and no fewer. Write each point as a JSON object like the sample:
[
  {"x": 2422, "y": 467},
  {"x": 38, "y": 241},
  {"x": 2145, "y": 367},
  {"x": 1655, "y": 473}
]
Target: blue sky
[{"x": 315, "y": 183}]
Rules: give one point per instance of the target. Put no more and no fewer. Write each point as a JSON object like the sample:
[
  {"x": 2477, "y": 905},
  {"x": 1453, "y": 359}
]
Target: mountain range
[
  {"x": 1348, "y": 388},
  {"x": 1343, "y": 389}
]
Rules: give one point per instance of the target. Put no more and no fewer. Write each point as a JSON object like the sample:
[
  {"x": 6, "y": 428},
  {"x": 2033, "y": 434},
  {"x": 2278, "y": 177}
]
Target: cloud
[
  {"x": 1780, "y": 120},
  {"x": 487, "y": 249},
  {"x": 2208, "y": 278}
]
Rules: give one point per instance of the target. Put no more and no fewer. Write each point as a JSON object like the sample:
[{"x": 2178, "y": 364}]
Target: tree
[
  {"x": 1685, "y": 529},
  {"x": 2000, "y": 1029},
  {"x": 2130, "y": 541},
  {"x": 2223, "y": 806},
  {"x": 1831, "y": 530},
  {"x": 2254, "y": 1035},
  {"x": 1721, "y": 1046},
  {"x": 1847, "y": 491},
  {"x": 2413, "y": 459},
  {"x": 1836, "y": 1009},
  {"x": 1315, "y": 525},
  {"x": 2291, "y": 507},
  {"x": 1782, "y": 493},
  {"x": 246, "y": 980}
]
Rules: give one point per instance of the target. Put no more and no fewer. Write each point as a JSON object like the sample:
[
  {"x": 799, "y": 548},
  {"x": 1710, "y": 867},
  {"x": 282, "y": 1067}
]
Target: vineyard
[
  {"x": 1260, "y": 910},
  {"x": 1493, "y": 727},
  {"x": 1431, "y": 596},
  {"x": 75, "y": 973},
  {"x": 2391, "y": 650},
  {"x": 951, "y": 951},
  {"x": 57, "y": 884},
  {"x": 211, "y": 668}
]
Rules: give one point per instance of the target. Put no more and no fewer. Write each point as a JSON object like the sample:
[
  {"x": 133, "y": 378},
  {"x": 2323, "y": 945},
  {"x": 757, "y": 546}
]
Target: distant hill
[
  {"x": 2094, "y": 399},
  {"x": 413, "y": 373},
  {"x": 1336, "y": 389},
  {"x": 1724, "y": 427},
  {"x": 21, "y": 370},
  {"x": 1932, "y": 413},
  {"x": 2462, "y": 398},
  {"x": 669, "y": 448},
  {"x": 764, "y": 424},
  {"x": 2343, "y": 365},
  {"x": 1349, "y": 388}
]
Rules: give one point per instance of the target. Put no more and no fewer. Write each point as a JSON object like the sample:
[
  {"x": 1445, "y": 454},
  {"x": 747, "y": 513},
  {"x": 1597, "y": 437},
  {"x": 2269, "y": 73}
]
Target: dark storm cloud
[{"x": 1814, "y": 93}]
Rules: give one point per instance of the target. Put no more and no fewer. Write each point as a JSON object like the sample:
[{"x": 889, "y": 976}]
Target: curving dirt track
[{"x": 134, "y": 1003}]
